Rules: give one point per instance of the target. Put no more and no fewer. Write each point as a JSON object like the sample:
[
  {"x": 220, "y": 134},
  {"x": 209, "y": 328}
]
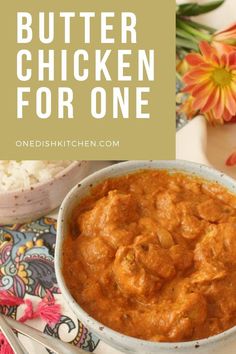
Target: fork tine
[
  {"x": 11, "y": 337},
  {"x": 54, "y": 344}
]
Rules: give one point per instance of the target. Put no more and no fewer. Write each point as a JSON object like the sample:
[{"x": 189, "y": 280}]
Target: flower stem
[
  {"x": 185, "y": 43},
  {"x": 198, "y": 25},
  {"x": 183, "y": 34},
  {"x": 193, "y": 31}
]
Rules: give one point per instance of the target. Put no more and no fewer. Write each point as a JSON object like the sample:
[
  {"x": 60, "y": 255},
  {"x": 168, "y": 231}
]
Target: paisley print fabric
[{"x": 27, "y": 269}]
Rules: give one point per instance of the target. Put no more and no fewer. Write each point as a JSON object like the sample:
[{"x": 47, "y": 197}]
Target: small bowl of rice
[{"x": 30, "y": 189}]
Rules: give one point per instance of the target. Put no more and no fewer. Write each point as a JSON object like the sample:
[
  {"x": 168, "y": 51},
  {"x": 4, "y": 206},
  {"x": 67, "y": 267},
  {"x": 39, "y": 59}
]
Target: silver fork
[
  {"x": 11, "y": 337},
  {"x": 54, "y": 344}
]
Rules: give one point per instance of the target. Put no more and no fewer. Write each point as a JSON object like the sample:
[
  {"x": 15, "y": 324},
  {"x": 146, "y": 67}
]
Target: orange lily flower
[{"x": 211, "y": 81}]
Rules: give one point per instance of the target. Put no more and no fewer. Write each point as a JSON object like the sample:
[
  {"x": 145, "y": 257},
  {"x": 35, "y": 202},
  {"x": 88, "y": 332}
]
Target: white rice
[{"x": 24, "y": 173}]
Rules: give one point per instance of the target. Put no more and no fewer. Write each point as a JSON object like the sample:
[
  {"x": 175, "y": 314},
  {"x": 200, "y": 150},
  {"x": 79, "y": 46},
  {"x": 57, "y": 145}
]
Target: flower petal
[
  {"x": 212, "y": 100},
  {"x": 229, "y": 32},
  {"x": 212, "y": 119},
  {"x": 215, "y": 59},
  {"x": 200, "y": 87},
  {"x": 206, "y": 49},
  {"x": 231, "y": 161},
  {"x": 188, "y": 88},
  {"x": 223, "y": 60},
  {"x": 194, "y": 59},
  {"x": 233, "y": 88},
  {"x": 200, "y": 100},
  {"x": 232, "y": 59},
  {"x": 219, "y": 107},
  {"x": 197, "y": 75},
  {"x": 227, "y": 115},
  {"x": 223, "y": 47},
  {"x": 230, "y": 101}
]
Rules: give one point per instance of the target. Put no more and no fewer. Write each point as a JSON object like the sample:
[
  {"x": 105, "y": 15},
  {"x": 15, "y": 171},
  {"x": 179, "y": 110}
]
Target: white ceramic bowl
[
  {"x": 221, "y": 343},
  {"x": 41, "y": 198}
]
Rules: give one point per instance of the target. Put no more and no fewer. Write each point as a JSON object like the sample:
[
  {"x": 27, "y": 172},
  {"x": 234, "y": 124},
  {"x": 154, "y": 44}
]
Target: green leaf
[
  {"x": 185, "y": 43},
  {"x": 195, "y": 9}
]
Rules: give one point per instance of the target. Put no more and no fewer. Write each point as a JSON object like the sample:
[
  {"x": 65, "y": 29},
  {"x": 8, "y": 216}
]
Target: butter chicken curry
[{"x": 153, "y": 255}]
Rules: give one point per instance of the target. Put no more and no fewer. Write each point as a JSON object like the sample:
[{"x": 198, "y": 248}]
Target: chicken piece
[
  {"x": 118, "y": 237},
  {"x": 213, "y": 211},
  {"x": 191, "y": 227},
  {"x": 194, "y": 306},
  {"x": 192, "y": 186},
  {"x": 186, "y": 207},
  {"x": 226, "y": 298},
  {"x": 150, "y": 227},
  {"x": 111, "y": 217},
  {"x": 208, "y": 273},
  {"x": 217, "y": 246},
  {"x": 95, "y": 251},
  {"x": 131, "y": 277},
  {"x": 231, "y": 220},
  {"x": 166, "y": 210},
  {"x": 146, "y": 239},
  {"x": 155, "y": 260},
  {"x": 173, "y": 186},
  {"x": 178, "y": 322},
  {"x": 228, "y": 233},
  {"x": 181, "y": 256}
]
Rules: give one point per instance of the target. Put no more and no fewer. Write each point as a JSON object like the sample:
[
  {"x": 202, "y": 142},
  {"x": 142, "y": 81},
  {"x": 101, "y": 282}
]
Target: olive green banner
[{"x": 88, "y": 79}]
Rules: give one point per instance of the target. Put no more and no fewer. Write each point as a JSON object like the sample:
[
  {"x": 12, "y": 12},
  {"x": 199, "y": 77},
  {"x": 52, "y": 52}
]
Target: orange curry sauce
[{"x": 153, "y": 255}]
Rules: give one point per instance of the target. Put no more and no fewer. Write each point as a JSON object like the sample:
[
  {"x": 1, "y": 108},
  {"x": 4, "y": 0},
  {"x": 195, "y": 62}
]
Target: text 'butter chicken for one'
[{"x": 153, "y": 255}]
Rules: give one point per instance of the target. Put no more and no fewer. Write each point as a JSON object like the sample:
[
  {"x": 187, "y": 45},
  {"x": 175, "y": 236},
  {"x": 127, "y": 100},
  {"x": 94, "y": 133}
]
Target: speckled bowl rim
[
  {"x": 39, "y": 185},
  {"x": 100, "y": 329}
]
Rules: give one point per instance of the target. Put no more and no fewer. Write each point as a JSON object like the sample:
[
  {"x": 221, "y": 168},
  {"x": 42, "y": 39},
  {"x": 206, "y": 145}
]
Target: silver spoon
[{"x": 54, "y": 344}]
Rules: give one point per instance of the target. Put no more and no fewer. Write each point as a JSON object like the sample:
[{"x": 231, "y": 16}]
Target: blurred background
[{"x": 223, "y": 16}]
